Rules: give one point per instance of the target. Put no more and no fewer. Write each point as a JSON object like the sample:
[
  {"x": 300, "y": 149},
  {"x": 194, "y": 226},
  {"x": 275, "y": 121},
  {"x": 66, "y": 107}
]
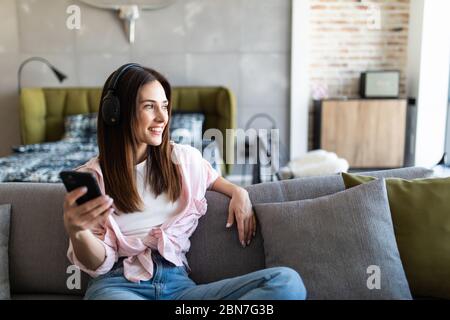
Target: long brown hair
[{"x": 118, "y": 146}]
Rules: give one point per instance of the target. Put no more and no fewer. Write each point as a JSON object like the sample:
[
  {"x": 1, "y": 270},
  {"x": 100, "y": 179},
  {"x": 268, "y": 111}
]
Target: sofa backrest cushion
[
  {"x": 38, "y": 242},
  {"x": 314, "y": 187},
  {"x": 215, "y": 251},
  {"x": 402, "y": 173}
]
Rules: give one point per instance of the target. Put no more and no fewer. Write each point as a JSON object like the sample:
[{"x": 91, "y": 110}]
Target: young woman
[{"x": 132, "y": 240}]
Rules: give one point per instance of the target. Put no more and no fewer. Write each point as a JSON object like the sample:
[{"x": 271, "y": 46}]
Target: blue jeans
[{"x": 170, "y": 282}]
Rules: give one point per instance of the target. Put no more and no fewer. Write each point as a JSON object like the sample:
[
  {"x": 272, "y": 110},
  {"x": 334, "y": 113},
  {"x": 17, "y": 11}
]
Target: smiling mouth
[{"x": 156, "y": 130}]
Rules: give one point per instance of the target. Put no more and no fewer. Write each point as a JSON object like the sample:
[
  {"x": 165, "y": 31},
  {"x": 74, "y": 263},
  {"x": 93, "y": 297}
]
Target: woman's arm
[
  {"x": 78, "y": 219},
  {"x": 88, "y": 249},
  {"x": 240, "y": 209}
]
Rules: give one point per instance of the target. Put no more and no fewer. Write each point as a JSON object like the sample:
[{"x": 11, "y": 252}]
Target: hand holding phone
[{"x": 86, "y": 209}]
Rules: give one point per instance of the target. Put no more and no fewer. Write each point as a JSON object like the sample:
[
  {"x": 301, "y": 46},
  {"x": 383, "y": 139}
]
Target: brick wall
[{"x": 351, "y": 36}]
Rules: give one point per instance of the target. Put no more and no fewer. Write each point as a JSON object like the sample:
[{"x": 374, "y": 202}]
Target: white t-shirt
[{"x": 156, "y": 209}]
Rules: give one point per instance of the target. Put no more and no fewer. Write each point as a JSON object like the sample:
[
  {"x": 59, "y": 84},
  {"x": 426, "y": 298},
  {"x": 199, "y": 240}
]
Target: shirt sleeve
[
  {"x": 209, "y": 174},
  {"x": 199, "y": 173}
]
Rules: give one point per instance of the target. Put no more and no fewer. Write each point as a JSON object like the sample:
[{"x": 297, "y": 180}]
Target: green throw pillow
[{"x": 420, "y": 211}]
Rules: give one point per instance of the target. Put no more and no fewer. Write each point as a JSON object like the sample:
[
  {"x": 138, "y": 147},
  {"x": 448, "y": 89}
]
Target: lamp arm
[{"x": 19, "y": 72}]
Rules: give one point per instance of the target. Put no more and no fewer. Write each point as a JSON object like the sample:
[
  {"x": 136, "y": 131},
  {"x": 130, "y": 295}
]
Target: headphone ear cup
[{"x": 111, "y": 109}]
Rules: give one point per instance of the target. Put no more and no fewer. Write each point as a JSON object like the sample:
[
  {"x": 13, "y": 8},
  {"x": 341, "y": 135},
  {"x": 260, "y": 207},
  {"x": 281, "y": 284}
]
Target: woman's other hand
[{"x": 240, "y": 210}]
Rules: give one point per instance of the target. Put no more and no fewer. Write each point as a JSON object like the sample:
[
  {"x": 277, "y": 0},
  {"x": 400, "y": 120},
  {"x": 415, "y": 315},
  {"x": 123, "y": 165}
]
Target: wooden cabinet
[{"x": 367, "y": 133}]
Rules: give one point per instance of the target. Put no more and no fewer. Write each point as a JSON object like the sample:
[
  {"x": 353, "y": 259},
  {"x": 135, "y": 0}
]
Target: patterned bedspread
[{"x": 42, "y": 162}]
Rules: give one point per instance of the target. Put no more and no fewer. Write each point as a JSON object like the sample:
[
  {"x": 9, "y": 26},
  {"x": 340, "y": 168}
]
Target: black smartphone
[{"x": 76, "y": 179}]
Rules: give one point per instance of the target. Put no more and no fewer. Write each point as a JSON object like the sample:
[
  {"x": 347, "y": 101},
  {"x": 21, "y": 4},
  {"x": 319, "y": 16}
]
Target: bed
[
  {"x": 42, "y": 162},
  {"x": 50, "y": 142}
]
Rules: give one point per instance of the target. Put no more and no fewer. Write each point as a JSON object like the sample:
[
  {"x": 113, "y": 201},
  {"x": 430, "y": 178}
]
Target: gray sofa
[{"x": 38, "y": 243}]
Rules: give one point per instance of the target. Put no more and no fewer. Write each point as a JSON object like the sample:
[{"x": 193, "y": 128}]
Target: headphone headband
[{"x": 119, "y": 72}]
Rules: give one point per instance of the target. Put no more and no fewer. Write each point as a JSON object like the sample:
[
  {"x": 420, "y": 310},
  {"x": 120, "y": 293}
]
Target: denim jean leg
[
  {"x": 278, "y": 283},
  {"x": 114, "y": 286},
  {"x": 170, "y": 279}
]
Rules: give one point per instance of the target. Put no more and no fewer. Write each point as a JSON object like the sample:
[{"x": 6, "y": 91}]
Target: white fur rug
[{"x": 317, "y": 163}]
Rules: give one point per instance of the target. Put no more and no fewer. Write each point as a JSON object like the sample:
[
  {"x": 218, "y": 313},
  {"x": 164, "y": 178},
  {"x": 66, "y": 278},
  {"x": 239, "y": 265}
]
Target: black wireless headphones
[{"x": 110, "y": 102}]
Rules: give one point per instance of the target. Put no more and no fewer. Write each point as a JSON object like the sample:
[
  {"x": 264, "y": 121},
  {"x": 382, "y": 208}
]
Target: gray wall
[{"x": 242, "y": 44}]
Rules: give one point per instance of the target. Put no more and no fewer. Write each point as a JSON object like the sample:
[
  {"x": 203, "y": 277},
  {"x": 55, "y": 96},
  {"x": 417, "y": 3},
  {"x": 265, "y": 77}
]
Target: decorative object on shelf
[
  {"x": 61, "y": 76},
  {"x": 129, "y": 11},
  {"x": 380, "y": 84},
  {"x": 320, "y": 91}
]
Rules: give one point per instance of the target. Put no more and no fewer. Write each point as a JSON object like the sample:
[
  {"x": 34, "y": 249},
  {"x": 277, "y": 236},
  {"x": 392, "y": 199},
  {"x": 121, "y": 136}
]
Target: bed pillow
[
  {"x": 80, "y": 126},
  {"x": 5, "y": 217},
  {"x": 187, "y": 127},
  {"x": 342, "y": 245},
  {"x": 421, "y": 215}
]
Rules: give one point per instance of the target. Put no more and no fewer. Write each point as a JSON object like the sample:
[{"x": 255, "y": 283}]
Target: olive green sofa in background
[{"x": 42, "y": 110}]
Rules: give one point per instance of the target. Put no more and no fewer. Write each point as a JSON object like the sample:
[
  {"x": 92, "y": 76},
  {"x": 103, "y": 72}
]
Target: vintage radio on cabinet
[{"x": 380, "y": 84}]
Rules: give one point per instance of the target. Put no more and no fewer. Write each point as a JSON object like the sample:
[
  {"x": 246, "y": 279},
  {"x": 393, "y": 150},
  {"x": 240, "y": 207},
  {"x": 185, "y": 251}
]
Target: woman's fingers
[
  {"x": 230, "y": 219},
  {"x": 241, "y": 230},
  {"x": 98, "y": 211},
  {"x": 245, "y": 229},
  {"x": 94, "y": 204},
  {"x": 101, "y": 219},
  {"x": 92, "y": 213},
  {"x": 73, "y": 195},
  {"x": 248, "y": 230},
  {"x": 252, "y": 228},
  {"x": 96, "y": 223}
]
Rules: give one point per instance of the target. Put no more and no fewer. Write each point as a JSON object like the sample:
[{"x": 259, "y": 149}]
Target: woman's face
[{"x": 152, "y": 113}]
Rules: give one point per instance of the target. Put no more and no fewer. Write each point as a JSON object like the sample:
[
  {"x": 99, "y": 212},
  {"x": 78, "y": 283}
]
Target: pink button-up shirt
[{"x": 171, "y": 239}]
